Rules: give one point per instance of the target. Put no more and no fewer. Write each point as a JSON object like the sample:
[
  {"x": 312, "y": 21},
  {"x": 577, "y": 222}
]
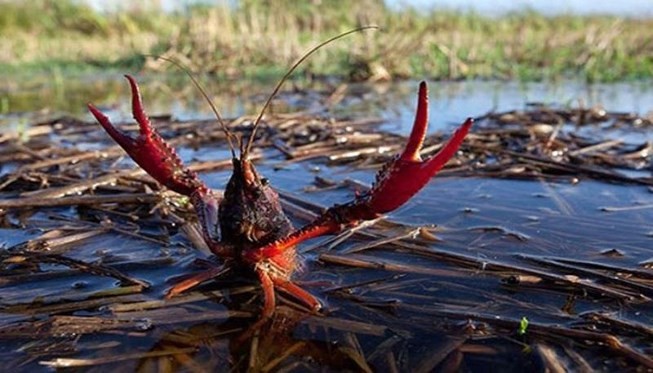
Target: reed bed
[{"x": 254, "y": 38}]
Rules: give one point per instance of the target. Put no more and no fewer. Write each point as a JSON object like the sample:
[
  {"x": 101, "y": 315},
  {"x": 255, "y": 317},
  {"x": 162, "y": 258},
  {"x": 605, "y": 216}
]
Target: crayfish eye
[{"x": 265, "y": 181}]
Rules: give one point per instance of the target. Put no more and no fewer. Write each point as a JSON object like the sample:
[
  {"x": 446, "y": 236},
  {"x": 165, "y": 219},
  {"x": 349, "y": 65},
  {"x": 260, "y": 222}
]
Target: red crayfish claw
[
  {"x": 149, "y": 150},
  {"x": 395, "y": 184},
  {"x": 407, "y": 174}
]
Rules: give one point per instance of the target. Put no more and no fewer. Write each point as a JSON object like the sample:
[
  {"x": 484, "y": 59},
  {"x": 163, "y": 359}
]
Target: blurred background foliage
[{"x": 246, "y": 37}]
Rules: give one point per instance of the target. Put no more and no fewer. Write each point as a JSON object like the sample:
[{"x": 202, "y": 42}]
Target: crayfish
[{"x": 247, "y": 226}]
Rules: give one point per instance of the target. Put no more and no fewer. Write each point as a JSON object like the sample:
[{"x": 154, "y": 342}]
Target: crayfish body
[{"x": 248, "y": 227}]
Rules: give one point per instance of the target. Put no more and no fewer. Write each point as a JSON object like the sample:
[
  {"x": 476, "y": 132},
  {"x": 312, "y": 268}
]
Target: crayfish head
[{"x": 250, "y": 213}]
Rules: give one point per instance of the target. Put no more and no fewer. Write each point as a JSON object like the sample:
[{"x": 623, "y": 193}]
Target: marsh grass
[{"x": 258, "y": 37}]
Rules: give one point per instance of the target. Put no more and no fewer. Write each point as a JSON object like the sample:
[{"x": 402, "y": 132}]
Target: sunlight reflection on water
[{"x": 450, "y": 102}]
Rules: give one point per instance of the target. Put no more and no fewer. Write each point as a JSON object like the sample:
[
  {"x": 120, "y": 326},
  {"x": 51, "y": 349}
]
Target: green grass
[{"x": 259, "y": 36}]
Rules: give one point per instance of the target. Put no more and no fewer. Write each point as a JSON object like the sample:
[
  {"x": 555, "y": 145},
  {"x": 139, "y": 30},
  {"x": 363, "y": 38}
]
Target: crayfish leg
[
  {"x": 269, "y": 283},
  {"x": 269, "y": 300}
]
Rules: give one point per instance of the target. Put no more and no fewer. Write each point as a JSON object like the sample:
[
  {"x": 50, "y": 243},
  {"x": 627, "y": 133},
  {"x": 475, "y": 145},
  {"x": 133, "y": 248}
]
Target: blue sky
[
  {"x": 632, "y": 8},
  {"x": 621, "y": 7}
]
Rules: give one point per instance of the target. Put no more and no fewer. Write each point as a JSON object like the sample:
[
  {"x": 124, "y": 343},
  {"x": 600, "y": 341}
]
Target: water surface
[{"x": 558, "y": 252}]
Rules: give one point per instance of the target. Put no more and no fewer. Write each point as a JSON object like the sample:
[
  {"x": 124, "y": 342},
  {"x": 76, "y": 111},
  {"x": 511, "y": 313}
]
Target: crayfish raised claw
[{"x": 247, "y": 226}]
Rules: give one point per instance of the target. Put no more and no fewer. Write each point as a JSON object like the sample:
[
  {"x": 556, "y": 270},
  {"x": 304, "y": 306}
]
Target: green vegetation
[
  {"x": 260, "y": 36},
  {"x": 523, "y": 325}
]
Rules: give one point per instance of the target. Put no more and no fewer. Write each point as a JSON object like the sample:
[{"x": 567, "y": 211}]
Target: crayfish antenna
[
  {"x": 245, "y": 148},
  {"x": 197, "y": 84}
]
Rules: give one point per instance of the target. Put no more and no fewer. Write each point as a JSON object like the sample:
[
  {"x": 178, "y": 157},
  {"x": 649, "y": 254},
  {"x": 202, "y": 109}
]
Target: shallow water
[
  {"x": 444, "y": 307},
  {"x": 450, "y": 102}
]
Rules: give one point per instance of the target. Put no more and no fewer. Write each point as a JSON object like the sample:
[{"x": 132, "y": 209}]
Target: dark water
[{"x": 447, "y": 304}]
